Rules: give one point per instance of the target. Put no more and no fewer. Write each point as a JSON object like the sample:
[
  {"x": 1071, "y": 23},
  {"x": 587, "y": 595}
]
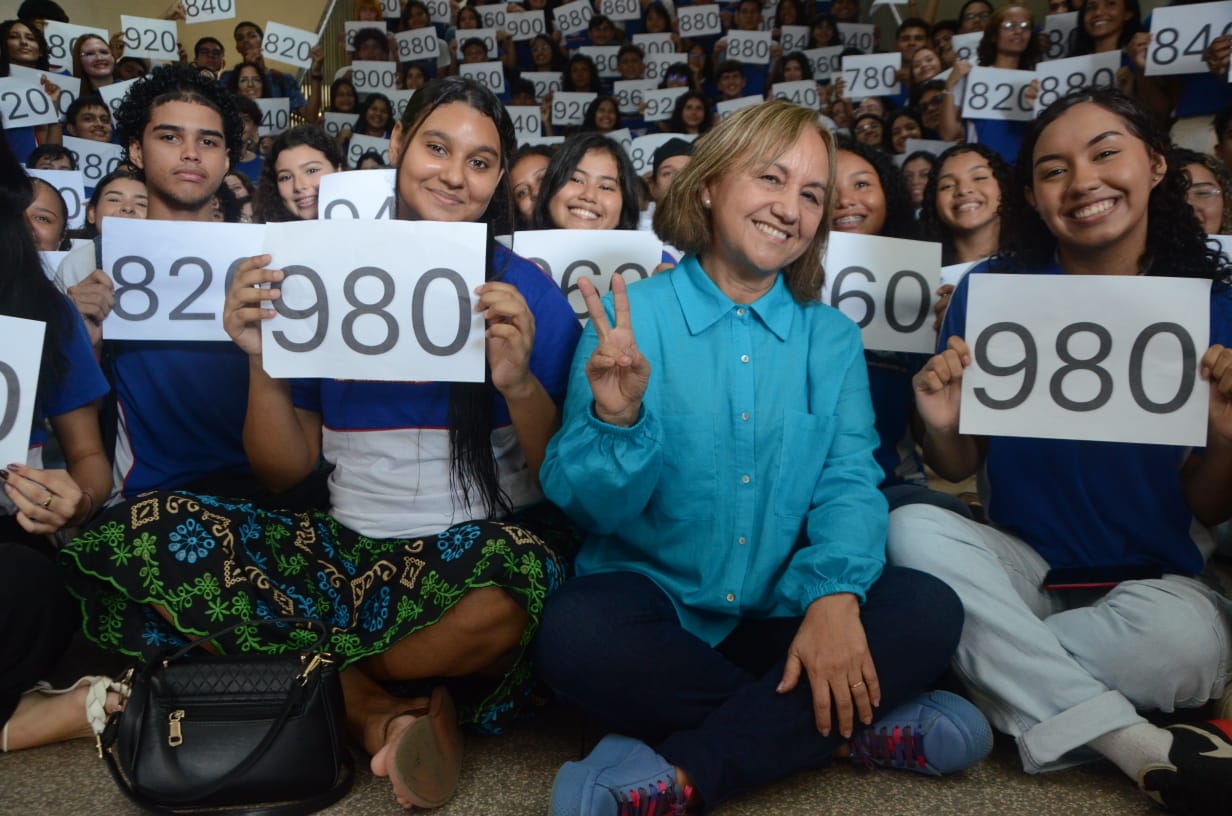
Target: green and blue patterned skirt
[{"x": 212, "y": 562}]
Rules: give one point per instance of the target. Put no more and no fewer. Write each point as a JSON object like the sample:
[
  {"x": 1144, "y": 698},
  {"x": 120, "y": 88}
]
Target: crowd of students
[{"x": 713, "y": 479}]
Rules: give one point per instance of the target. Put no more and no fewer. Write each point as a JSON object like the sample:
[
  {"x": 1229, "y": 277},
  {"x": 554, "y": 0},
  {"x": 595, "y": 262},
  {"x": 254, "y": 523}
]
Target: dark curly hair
[
  {"x": 1172, "y": 227},
  {"x": 931, "y": 226},
  {"x": 176, "y": 83},
  {"x": 566, "y": 76},
  {"x": 268, "y": 206},
  {"x": 900, "y": 214},
  {"x": 676, "y": 123},
  {"x": 232, "y": 82}
]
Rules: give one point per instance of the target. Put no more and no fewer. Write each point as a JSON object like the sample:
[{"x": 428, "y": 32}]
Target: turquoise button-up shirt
[{"x": 747, "y": 488}]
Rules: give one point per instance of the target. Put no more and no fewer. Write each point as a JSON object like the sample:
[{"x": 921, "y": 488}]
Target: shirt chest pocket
[
  {"x": 805, "y": 445},
  {"x": 688, "y": 484}
]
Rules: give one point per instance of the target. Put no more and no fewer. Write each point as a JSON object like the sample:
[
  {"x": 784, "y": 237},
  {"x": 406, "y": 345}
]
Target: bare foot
[
  {"x": 380, "y": 764},
  {"x": 43, "y": 719},
  {"x": 421, "y": 753}
]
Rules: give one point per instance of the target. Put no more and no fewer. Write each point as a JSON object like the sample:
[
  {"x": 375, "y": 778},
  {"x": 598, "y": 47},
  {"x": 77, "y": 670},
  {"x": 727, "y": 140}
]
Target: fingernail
[
  {"x": 779, "y": 687},
  {"x": 4, "y": 475}
]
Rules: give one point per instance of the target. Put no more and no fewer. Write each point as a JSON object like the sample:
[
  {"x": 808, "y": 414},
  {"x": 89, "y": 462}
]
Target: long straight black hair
[
  {"x": 472, "y": 406},
  {"x": 25, "y": 290}
]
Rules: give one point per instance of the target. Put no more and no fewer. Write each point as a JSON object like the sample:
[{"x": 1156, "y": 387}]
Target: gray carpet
[{"x": 512, "y": 774}]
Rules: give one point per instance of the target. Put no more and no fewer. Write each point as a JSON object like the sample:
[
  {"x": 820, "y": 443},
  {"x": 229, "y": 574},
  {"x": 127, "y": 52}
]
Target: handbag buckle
[
  {"x": 175, "y": 737},
  {"x": 318, "y": 660}
]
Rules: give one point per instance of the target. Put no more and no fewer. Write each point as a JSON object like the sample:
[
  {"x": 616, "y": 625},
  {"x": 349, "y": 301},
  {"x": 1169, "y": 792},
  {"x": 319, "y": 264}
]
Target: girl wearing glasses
[
  {"x": 1009, "y": 41},
  {"x": 1208, "y": 191},
  {"x": 973, "y": 15}
]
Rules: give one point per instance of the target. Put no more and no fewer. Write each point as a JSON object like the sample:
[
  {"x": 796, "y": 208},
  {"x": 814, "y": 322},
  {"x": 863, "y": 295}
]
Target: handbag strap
[
  {"x": 305, "y": 623},
  {"x": 300, "y": 807}
]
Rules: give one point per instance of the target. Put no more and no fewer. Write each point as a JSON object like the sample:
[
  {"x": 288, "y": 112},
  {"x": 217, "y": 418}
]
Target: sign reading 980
[
  {"x": 1105, "y": 357},
  {"x": 358, "y": 304}
]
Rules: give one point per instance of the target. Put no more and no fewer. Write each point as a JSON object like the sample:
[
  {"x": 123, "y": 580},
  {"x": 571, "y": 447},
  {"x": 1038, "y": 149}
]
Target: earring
[{"x": 705, "y": 202}]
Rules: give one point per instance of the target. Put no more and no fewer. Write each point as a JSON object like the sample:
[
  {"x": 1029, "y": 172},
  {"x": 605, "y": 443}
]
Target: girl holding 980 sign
[
  {"x": 1066, "y": 672},
  {"x": 436, "y": 555}
]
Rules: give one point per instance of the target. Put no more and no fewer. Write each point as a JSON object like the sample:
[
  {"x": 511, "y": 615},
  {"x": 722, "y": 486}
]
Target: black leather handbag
[{"x": 210, "y": 734}]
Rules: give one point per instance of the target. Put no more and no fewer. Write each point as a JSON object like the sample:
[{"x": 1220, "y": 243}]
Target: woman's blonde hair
[{"x": 752, "y": 137}]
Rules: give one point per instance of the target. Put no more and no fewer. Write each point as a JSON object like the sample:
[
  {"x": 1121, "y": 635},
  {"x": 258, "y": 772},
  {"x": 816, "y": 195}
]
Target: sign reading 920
[
  {"x": 1109, "y": 358},
  {"x": 376, "y": 300}
]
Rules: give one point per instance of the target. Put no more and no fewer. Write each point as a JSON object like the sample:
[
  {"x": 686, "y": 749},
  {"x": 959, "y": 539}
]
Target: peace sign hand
[{"x": 617, "y": 371}]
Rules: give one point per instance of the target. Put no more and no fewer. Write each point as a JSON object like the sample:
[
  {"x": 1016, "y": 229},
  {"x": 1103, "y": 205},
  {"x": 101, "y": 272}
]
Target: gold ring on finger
[
  {"x": 855, "y": 686},
  {"x": 46, "y": 503}
]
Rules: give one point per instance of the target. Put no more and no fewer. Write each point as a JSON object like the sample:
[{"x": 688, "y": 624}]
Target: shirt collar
[{"x": 703, "y": 303}]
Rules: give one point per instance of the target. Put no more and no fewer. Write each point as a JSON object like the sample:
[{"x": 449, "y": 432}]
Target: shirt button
[
  {"x": 744, "y": 479},
  {"x": 744, "y": 358},
  {"x": 745, "y": 416},
  {"x": 731, "y": 598},
  {"x": 741, "y": 540},
  {"x": 740, "y": 312}
]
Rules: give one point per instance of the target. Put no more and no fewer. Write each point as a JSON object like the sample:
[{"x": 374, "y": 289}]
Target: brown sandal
[{"x": 428, "y": 756}]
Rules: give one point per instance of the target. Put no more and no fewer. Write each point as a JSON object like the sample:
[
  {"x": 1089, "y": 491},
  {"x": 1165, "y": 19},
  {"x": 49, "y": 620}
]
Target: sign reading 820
[{"x": 1104, "y": 357}]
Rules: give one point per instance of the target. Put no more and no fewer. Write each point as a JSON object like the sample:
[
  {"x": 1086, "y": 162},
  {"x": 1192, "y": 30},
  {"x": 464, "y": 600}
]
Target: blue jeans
[{"x": 612, "y": 644}]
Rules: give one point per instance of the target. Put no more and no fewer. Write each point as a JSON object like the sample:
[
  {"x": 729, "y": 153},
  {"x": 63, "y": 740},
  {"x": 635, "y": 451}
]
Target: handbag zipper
[{"x": 175, "y": 736}]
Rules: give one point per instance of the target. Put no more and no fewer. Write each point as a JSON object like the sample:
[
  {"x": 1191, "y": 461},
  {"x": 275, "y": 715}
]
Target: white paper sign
[
  {"x": 802, "y": 92},
  {"x": 794, "y": 38},
  {"x": 858, "y": 35},
  {"x": 148, "y": 38},
  {"x": 569, "y": 255},
  {"x": 204, "y": 11},
  {"x": 489, "y": 74},
  {"x": 356, "y": 305},
  {"x": 51, "y": 260},
  {"x": 934, "y": 146},
  {"x": 699, "y": 21},
  {"x": 527, "y": 120},
  {"x": 661, "y": 103},
  {"x": 630, "y": 93},
  {"x": 1180, "y": 36},
  {"x": 391, "y": 9},
  {"x": 72, "y": 187},
  {"x": 525, "y": 25},
  {"x": 439, "y": 11},
  {"x": 573, "y": 18},
  {"x": 416, "y": 44},
  {"x": 887, "y": 286},
  {"x": 358, "y": 194},
  {"x": 25, "y": 104},
  {"x": 70, "y": 86},
  {"x": 400, "y": 99},
  {"x": 94, "y": 159},
  {"x": 654, "y": 43},
  {"x": 966, "y": 46},
  {"x": 114, "y": 94},
  {"x": 952, "y": 274},
  {"x": 621, "y": 9},
  {"x": 605, "y": 59},
  {"x": 374, "y": 76},
  {"x": 998, "y": 93},
  {"x": 657, "y": 65},
  {"x": 487, "y": 35},
  {"x": 171, "y": 277},
  {"x": 493, "y": 15},
  {"x": 545, "y": 82},
  {"x": 641, "y": 151},
  {"x": 827, "y": 62},
  {"x": 292, "y": 46},
  {"x": 871, "y": 75},
  {"x": 1102, "y": 357},
  {"x": 749, "y": 47},
  {"x": 1061, "y": 31},
  {"x": 21, "y": 354},
  {"x": 335, "y": 122},
  {"x": 359, "y": 145},
  {"x": 1059, "y": 77},
  {"x": 622, "y": 137},
  {"x": 275, "y": 116},
  {"x": 569, "y": 107},
  {"x": 727, "y": 107},
  {"x": 541, "y": 140},
  {"x": 60, "y": 40}
]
